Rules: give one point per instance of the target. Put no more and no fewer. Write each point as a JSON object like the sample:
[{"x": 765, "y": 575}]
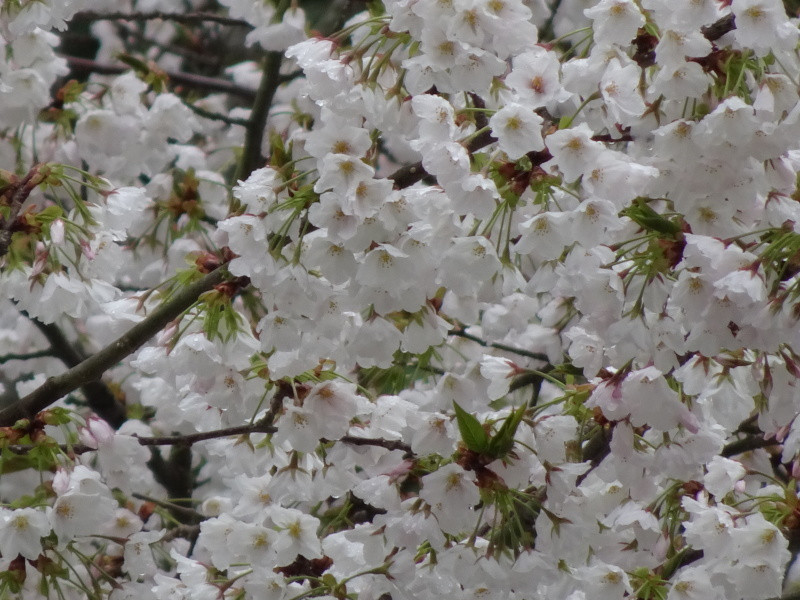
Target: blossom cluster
[{"x": 488, "y": 299}]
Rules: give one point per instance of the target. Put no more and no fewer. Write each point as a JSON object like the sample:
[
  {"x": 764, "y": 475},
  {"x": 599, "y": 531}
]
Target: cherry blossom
[{"x": 463, "y": 298}]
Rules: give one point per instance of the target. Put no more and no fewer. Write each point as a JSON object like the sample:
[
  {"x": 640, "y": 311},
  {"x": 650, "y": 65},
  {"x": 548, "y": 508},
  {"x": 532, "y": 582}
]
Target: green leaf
[
  {"x": 135, "y": 63},
  {"x": 650, "y": 220},
  {"x": 471, "y": 430},
  {"x": 211, "y": 320},
  {"x": 49, "y": 214},
  {"x": 502, "y": 443}
]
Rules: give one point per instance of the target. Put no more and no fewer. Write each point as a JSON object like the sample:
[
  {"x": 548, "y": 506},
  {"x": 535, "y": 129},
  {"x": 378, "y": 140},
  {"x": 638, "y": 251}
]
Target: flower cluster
[{"x": 476, "y": 298}]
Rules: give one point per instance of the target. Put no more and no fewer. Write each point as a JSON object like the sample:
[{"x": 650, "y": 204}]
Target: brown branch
[
  {"x": 199, "y": 82},
  {"x": 215, "y": 116},
  {"x": 93, "y": 367},
  {"x": 719, "y": 28},
  {"x": 270, "y": 80},
  {"x": 595, "y": 450},
  {"x": 13, "y": 196},
  {"x": 196, "y": 18},
  {"x": 410, "y": 174},
  {"x": 193, "y": 438},
  {"x": 98, "y": 395},
  {"x": 746, "y": 444},
  {"x": 381, "y": 443},
  {"x": 171, "y": 506}
]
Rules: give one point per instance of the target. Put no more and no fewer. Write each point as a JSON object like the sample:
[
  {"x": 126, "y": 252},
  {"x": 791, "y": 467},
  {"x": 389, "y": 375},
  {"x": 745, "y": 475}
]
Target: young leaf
[
  {"x": 471, "y": 430},
  {"x": 502, "y": 443}
]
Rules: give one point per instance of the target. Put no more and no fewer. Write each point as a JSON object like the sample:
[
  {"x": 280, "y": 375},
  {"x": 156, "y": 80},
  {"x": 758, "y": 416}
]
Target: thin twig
[
  {"x": 199, "y": 82},
  {"x": 215, "y": 116},
  {"x": 196, "y": 18},
  {"x": 25, "y": 356},
  {"x": 192, "y": 438},
  {"x": 171, "y": 506},
  {"x": 93, "y": 367},
  {"x": 459, "y": 332},
  {"x": 410, "y": 174},
  {"x": 381, "y": 443},
  {"x": 270, "y": 80}
]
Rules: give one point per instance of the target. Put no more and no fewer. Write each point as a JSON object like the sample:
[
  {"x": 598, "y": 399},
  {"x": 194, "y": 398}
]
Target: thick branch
[
  {"x": 199, "y": 82},
  {"x": 183, "y": 18},
  {"x": 98, "y": 395},
  {"x": 270, "y": 80},
  {"x": 93, "y": 367},
  {"x": 102, "y": 401}
]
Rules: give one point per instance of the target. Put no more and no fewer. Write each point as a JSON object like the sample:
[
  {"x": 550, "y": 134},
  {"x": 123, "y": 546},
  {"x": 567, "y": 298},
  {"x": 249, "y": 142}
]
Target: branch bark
[
  {"x": 719, "y": 28},
  {"x": 199, "y": 82},
  {"x": 98, "y": 395},
  {"x": 270, "y": 80},
  {"x": 184, "y": 19},
  {"x": 13, "y": 197},
  {"x": 93, "y": 367}
]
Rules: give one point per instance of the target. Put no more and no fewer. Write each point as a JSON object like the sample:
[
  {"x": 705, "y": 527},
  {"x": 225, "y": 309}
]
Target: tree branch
[
  {"x": 193, "y": 438},
  {"x": 746, "y": 444},
  {"x": 171, "y": 506},
  {"x": 184, "y": 19},
  {"x": 13, "y": 196},
  {"x": 460, "y": 332},
  {"x": 719, "y": 28},
  {"x": 409, "y": 175},
  {"x": 381, "y": 443},
  {"x": 26, "y": 356},
  {"x": 214, "y": 116},
  {"x": 93, "y": 367},
  {"x": 98, "y": 395},
  {"x": 270, "y": 80},
  {"x": 199, "y": 82}
]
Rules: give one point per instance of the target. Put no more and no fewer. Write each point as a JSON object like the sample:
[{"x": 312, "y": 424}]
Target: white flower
[
  {"x": 574, "y": 153},
  {"x": 722, "y": 473},
  {"x": 78, "y": 514},
  {"x": 139, "y": 561},
  {"x": 452, "y": 494},
  {"x": 762, "y": 25},
  {"x": 499, "y": 372},
  {"x": 615, "y": 21},
  {"x": 297, "y": 535},
  {"x": 518, "y": 129},
  {"x": 535, "y": 79},
  {"x": 21, "y": 531}
]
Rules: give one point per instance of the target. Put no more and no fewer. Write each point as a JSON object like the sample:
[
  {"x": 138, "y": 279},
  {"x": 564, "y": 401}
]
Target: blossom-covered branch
[
  {"x": 194, "y": 18},
  {"x": 93, "y": 367}
]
